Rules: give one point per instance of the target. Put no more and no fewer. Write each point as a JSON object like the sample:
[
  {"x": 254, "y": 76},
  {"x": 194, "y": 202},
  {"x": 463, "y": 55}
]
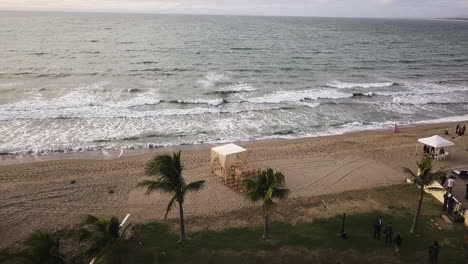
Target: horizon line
[{"x": 221, "y": 14}]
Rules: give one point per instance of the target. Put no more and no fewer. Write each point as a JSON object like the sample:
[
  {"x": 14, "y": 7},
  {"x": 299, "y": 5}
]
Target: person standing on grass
[
  {"x": 377, "y": 228},
  {"x": 434, "y": 253},
  {"x": 450, "y": 184},
  {"x": 398, "y": 242},
  {"x": 388, "y": 234}
]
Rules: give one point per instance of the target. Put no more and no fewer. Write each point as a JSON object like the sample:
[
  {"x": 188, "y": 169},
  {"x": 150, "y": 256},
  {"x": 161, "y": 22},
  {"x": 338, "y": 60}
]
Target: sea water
[{"x": 77, "y": 81}]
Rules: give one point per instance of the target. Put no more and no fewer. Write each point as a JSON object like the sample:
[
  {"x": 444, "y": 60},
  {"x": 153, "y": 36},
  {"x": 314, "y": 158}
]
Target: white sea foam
[
  {"x": 100, "y": 111},
  {"x": 421, "y": 88},
  {"x": 424, "y": 99},
  {"x": 9, "y": 85},
  {"x": 298, "y": 96},
  {"x": 213, "y": 102},
  {"x": 212, "y": 78},
  {"x": 240, "y": 87},
  {"x": 346, "y": 85},
  {"x": 79, "y": 100},
  {"x": 311, "y": 105}
]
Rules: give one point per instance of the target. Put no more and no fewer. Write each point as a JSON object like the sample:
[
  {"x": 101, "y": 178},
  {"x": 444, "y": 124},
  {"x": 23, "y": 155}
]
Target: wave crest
[
  {"x": 298, "y": 96},
  {"x": 345, "y": 85}
]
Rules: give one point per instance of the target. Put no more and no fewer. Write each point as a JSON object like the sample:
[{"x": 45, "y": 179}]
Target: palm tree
[
  {"x": 423, "y": 178},
  {"x": 266, "y": 188},
  {"x": 168, "y": 170},
  {"x": 101, "y": 232},
  {"x": 42, "y": 247}
]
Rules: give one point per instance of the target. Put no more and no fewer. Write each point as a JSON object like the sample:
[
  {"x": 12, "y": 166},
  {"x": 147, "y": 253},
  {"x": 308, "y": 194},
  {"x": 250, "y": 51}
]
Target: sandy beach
[{"x": 39, "y": 195}]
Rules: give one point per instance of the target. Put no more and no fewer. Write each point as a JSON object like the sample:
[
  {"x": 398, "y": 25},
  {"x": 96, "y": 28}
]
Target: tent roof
[
  {"x": 436, "y": 142},
  {"x": 228, "y": 149}
]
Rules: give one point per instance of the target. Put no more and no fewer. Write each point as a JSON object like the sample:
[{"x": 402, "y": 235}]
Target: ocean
[{"x": 78, "y": 82}]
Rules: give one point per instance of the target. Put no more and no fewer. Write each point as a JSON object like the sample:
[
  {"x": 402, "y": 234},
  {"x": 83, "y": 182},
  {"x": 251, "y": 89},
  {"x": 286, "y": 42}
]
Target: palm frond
[
  {"x": 266, "y": 188},
  {"x": 281, "y": 194},
  {"x": 168, "y": 168},
  {"x": 90, "y": 219},
  {"x": 409, "y": 172},
  {"x": 101, "y": 232},
  {"x": 113, "y": 227},
  {"x": 194, "y": 186},
  {"x": 177, "y": 161},
  {"x": 169, "y": 206},
  {"x": 152, "y": 186},
  {"x": 425, "y": 174},
  {"x": 42, "y": 247},
  {"x": 251, "y": 190}
]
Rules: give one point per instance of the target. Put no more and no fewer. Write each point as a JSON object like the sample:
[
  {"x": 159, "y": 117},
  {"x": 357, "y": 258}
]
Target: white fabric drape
[
  {"x": 228, "y": 154},
  {"x": 436, "y": 142}
]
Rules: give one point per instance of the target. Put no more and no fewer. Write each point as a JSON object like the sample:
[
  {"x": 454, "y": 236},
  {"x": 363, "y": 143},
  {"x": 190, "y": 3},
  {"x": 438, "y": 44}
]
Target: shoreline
[
  {"x": 115, "y": 154},
  {"x": 54, "y": 194}
]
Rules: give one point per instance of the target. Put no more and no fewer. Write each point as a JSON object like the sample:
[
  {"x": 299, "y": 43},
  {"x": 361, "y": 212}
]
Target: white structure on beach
[
  {"x": 436, "y": 142},
  {"x": 228, "y": 155}
]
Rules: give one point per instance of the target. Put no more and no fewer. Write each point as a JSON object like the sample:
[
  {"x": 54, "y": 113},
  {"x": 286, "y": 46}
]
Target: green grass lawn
[{"x": 309, "y": 242}]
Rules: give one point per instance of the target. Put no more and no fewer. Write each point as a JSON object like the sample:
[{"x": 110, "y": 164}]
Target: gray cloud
[{"x": 344, "y": 8}]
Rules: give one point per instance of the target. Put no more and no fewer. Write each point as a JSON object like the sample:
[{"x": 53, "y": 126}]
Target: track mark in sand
[
  {"x": 344, "y": 176},
  {"x": 328, "y": 174}
]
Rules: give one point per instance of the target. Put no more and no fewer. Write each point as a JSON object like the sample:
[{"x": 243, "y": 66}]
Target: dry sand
[{"x": 39, "y": 195}]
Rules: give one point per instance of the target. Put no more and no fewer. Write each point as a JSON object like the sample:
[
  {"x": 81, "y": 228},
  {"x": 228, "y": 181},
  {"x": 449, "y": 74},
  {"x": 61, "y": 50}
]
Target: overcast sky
[{"x": 340, "y": 8}]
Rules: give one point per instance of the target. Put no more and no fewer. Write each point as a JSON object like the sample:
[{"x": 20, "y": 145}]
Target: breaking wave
[
  {"x": 213, "y": 102},
  {"x": 298, "y": 96},
  {"x": 345, "y": 85},
  {"x": 233, "y": 89}
]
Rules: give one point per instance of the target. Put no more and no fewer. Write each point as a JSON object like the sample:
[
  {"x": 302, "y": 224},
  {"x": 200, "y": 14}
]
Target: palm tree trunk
[
  {"x": 182, "y": 223},
  {"x": 266, "y": 227},
  {"x": 414, "y": 227}
]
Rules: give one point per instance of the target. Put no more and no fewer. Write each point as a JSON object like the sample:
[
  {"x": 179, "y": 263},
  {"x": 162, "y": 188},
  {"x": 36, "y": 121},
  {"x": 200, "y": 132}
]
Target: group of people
[
  {"x": 432, "y": 151},
  {"x": 433, "y": 251},
  {"x": 450, "y": 182},
  {"x": 460, "y": 130},
  {"x": 388, "y": 232}
]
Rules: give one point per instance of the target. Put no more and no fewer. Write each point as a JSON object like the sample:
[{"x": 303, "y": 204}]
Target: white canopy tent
[
  {"x": 228, "y": 154},
  {"x": 436, "y": 142}
]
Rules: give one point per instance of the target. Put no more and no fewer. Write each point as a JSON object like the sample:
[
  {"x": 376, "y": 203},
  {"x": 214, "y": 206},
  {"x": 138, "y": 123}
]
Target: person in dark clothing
[
  {"x": 446, "y": 195},
  {"x": 450, "y": 203},
  {"x": 443, "y": 179},
  {"x": 446, "y": 132},
  {"x": 425, "y": 149},
  {"x": 457, "y": 129},
  {"x": 388, "y": 234},
  {"x": 434, "y": 253},
  {"x": 432, "y": 150},
  {"x": 377, "y": 229},
  {"x": 466, "y": 192},
  {"x": 398, "y": 242}
]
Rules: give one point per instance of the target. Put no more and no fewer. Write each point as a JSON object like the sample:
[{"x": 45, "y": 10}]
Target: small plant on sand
[
  {"x": 425, "y": 177},
  {"x": 41, "y": 247},
  {"x": 266, "y": 188},
  {"x": 100, "y": 232},
  {"x": 168, "y": 170}
]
